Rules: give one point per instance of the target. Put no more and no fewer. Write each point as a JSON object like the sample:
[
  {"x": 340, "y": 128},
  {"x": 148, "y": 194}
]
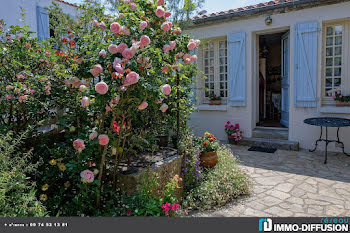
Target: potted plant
[
  {"x": 163, "y": 136},
  {"x": 208, "y": 145},
  {"x": 342, "y": 101},
  {"x": 214, "y": 99},
  {"x": 234, "y": 134}
]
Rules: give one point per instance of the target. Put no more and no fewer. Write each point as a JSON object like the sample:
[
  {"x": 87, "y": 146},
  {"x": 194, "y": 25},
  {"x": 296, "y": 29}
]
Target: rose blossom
[
  {"x": 102, "y": 53},
  {"x": 98, "y": 68},
  {"x": 121, "y": 47},
  {"x": 143, "y": 25},
  {"x": 125, "y": 31},
  {"x": 87, "y": 176},
  {"x": 160, "y": 11},
  {"x": 166, "y": 26},
  {"x": 9, "y": 87},
  {"x": 160, "y": 101},
  {"x": 103, "y": 139},
  {"x": 79, "y": 144},
  {"x": 145, "y": 40},
  {"x": 115, "y": 27},
  {"x": 160, "y": 2},
  {"x": 128, "y": 54},
  {"x": 82, "y": 88},
  {"x": 191, "y": 46},
  {"x": 165, "y": 69},
  {"x": 22, "y": 98},
  {"x": 94, "y": 72},
  {"x": 194, "y": 58},
  {"x": 101, "y": 88},
  {"x": 166, "y": 89},
  {"x": 166, "y": 48},
  {"x": 102, "y": 25},
  {"x": 167, "y": 14},
  {"x": 95, "y": 22},
  {"x": 118, "y": 68},
  {"x": 143, "y": 106},
  {"x": 9, "y": 97},
  {"x": 164, "y": 107},
  {"x": 93, "y": 135},
  {"x": 133, "y": 6},
  {"x": 113, "y": 49},
  {"x": 85, "y": 101},
  {"x": 172, "y": 44},
  {"x": 131, "y": 78}
]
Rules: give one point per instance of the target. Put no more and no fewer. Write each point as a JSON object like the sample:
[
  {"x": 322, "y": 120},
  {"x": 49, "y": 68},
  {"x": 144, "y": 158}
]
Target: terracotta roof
[
  {"x": 68, "y": 3},
  {"x": 250, "y": 10}
]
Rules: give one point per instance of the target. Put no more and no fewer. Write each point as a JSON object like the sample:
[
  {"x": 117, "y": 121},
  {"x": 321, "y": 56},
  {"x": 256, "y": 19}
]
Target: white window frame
[
  {"x": 345, "y": 75},
  {"x": 203, "y": 99}
]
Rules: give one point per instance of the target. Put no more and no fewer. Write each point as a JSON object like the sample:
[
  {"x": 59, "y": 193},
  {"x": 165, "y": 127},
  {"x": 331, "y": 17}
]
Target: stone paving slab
[{"x": 291, "y": 184}]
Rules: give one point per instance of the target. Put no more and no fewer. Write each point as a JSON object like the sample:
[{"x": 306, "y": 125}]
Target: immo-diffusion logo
[{"x": 332, "y": 225}]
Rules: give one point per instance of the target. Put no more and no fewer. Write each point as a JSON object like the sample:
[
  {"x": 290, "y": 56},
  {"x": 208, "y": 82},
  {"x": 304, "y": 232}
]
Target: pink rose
[
  {"x": 9, "y": 87},
  {"x": 102, "y": 25},
  {"x": 117, "y": 61},
  {"x": 22, "y": 98},
  {"x": 93, "y": 135},
  {"x": 102, "y": 53},
  {"x": 125, "y": 31},
  {"x": 118, "y": 68},
  {"x": 191, "y": 46},
  {"x": 131, "y": 78},
  {"x": 143, "y": 25},
  {"x": 165, "y": 27},
  {"x": 94, "y": 72},
  {"x": 101, "y": 88},
  {"x": 166, "y": 48},
  {"x": 145, "y": 40},
  {"x": 133, "y": 6},
  {"x": 160, "y": 11},
  {"x": 85, "y": 101},
  {"x": 98, "y": 68},
  {"x": 79, "y": 144},
  {"x": 115, "y": 27},
  {"x": 194, "y": 58},
  {"x": 95, "y": 22},
  {"x": 167, "y": 14},
  {"x": 87, "y": 176},
  {"x": 160, "y": 2},
  {"x": 142, "y": 106},
  {"x": 82, "y": 88},
  {"x": 160, "y": 101},
  {"x": 186, "y": 56},
  {"x": 115, "y": 100},
  {"x": 27, "y": 46},
  {"x": 177, "y": 31},
  {"x": 172, "y": 45},
  {"x": 121, "y": 47},
  {"x": 9, "y": 97},
  {"x": 166, "y": 89},
  {"x": 164, "y": 107},
  {"x": 165, "y": 69},
  {"x": 113, "y": 49},
  {"x": 103, "y": 139},
  {"x": 197, "y": 42},
  {"x": 20, "y": 76},
  {"x": 128, "y": 54}
]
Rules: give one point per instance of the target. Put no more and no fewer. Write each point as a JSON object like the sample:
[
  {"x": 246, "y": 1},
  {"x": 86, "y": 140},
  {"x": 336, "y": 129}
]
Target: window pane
[
  {"x": 338, "y": 40},
  {"x": 338, "y": 30},
  {"x": 211, "y": 53},
  {"x": 211, "y": 45},
  {"x": 329, "y": 62},
  {"x": 206, "y": 62},
  {"x": 337, "y": 82},
  {"x": 329, "y": 82},
  {"x": 330, "y": 31},
  {"x": 329, "y": 41},
  {"x": 338, "y": 51},
  {"x": 329, "y": 72},
  {"x": 337, "y": 71},
  {"x": 329, "y": 92},
  {"x": 211, "y": 62},
  {"x": 222, "y": 77},
  {"x": 222, "y": 61},
  {"x": 337, "y": 61},
  {"x": 329, "y": 52}
]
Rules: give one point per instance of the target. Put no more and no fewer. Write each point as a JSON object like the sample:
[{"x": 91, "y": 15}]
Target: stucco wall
[
  {"x": 214, "y": 121},
  {"x": 10, "y": 11}
]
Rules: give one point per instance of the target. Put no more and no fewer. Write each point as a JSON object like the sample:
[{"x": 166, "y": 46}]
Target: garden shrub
[
  {"x": 220, "y": 185},
  {"x": 17, "y": 193}
]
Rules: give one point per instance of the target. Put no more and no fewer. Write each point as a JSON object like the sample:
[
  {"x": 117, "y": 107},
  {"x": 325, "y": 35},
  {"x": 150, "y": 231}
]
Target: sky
[{"x": 216, "y": 5}]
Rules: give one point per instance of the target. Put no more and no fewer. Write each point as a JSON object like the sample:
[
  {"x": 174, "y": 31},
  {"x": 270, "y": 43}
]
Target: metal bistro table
[{"x": 328, "y": 122}]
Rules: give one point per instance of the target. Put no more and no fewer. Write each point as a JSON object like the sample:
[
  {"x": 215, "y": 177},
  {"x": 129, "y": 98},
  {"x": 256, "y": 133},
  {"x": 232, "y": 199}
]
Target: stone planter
[
  {"x": 214, "y": 102},
  {"x": 166, "y": 170},
  {"x": 208, "y": 160},
  {"x": 343, "y": 104}
]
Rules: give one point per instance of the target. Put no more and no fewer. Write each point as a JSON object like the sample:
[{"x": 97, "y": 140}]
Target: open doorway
[{"x": 273, "y": 83}]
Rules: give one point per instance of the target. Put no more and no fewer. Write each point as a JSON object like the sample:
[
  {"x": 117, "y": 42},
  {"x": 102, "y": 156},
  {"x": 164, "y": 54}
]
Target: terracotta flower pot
[
  {"x": 232, "y": 140},
  {"x": 343, "y": 104},
  {"x": 208, "y": 159},
  {"x": 214, "y": 102}
]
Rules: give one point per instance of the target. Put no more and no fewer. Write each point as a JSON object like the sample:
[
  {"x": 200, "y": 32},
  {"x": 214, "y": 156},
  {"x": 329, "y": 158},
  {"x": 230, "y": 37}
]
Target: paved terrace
[{"x": 291, "y": 184}]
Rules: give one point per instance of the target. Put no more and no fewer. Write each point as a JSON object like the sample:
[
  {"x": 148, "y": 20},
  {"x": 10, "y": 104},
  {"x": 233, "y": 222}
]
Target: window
[
  {"x": 215, "y": 68},
  {"x": 336, "y": 79}
]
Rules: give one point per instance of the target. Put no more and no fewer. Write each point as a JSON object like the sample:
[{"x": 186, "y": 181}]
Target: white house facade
[
  {"x": 274, "y": 64},
  {"x": 37, "y": 16}
]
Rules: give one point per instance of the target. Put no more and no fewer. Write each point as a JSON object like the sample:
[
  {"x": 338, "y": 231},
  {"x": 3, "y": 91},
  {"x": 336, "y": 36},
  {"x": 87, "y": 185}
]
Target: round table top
[{"x": 328, "y": 121}]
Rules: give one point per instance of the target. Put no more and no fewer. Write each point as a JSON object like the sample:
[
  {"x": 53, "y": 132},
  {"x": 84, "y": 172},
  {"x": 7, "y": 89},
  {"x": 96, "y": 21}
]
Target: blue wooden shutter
[
  {"x": 237, "y": 69},
  {"x": 43, "y": 23},
  {"x": 305, "y": 70}
]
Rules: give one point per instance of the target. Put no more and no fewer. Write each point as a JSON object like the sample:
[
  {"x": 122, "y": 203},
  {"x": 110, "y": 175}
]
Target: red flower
[
  {"x": 128, "y": 212},
  {"x": 64, "y": 40},
  {"x": 205, "y": 143},
  {"x": 116, "y": 128},
  {"x": 72, "y": 44}
]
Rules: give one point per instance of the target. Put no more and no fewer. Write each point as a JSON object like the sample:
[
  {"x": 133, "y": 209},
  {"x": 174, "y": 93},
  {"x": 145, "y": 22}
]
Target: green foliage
[
  {"x": 220, "y": 185},
  {"x": 17, "y": 192},
  {"x": 207, "y": 143}
]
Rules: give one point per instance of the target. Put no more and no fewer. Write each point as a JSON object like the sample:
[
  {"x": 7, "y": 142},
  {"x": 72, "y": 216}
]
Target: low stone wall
[{"x": 166, "y": 170}]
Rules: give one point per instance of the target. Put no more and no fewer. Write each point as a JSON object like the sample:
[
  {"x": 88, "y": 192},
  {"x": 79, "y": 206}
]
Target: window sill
[
  {"x": 217, "y": 108},
  {"x": 334, "y": 109}
]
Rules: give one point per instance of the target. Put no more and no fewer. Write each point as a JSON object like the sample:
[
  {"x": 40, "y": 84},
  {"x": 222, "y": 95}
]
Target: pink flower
[
  {"x": 197, "y": 42},
  {"x": 115, "y": 27},
  {"x": 194, "y": 58},
  {"x": 165, "y": 69},
  {"x": 166, "y": 26},
  {"x": 177, "y": 31},
  {"x": 166, "y": 48},
  {"x": 121, "y": 47},
  {"x": 128, "y": 54},
  {"x": 113, "y": 49},
  {"x": 334, "y": 97},
  {"x": 166, "y": 89},
  {"x": 95, "y": 22},
  {"x": 164, "y": 107},
  {"x": 85, "y": 101},
  {"x": 143, "y": 25},
  {"x": 27, "y": 46},
  {"x": 160, "y": 11},
  {"x": 87, "y": 176},
  {"x": 94, "y": 72},
  {"x": 79, "y": 144},
  {"x": 191, "y": 46},
  {"x": 9, "y": 87},
  {"x": 125, "y": 31},
  {"x": 102, "y": 25},
  {"x": 143, "y": 106},
  {"x": 186, "y": 56},
  {"x": 47, "y": 53},
  {"x": 103, "y": 139},
  {"x": 9, "y": 97},
  {"x": 1, "y": 27},
  {"x": 172, "y": 44},
  {"x": 93, "y": 135},
  {"x": 101, "y": 88},
  {"x": 102, "y": 53},
  {"x": 133, "y": 6},
  {"x": 118, "y": 68},
  {"x": 115, "y": 100},
  {"x": 160, "y": 101},
  {"x": 131, "y": 78},
  {"x": 160, "y": 2},
  {"x": 128, "y": 212},
  {"x": 9, "y": 38},
  {"x": 20, "y": 76},
  {"x": 98, "y": 68},
  {"x": 145, "y": 40},
  {"x": 167, "y": 14},
  {"x": 237, "y": 126},
  {"x": 22, "y": 98}
]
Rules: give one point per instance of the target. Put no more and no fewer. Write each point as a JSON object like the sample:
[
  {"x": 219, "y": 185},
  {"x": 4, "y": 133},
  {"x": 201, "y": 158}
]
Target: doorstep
[{"x": 270, "y": 143}]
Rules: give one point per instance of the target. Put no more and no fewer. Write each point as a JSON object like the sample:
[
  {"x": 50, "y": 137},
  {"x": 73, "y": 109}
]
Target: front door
[{"x": 285, "y": 80}]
